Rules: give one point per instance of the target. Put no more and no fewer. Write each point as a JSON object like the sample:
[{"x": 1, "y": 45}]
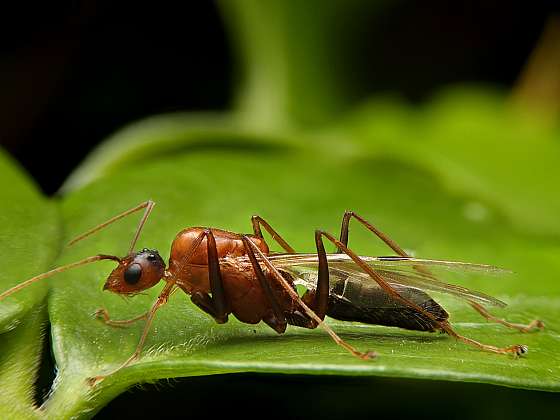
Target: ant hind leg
[
  {"x": 516, "y": 350},
  {"x": 536, "y": 324},
  {"x": 345, "y": 227}
]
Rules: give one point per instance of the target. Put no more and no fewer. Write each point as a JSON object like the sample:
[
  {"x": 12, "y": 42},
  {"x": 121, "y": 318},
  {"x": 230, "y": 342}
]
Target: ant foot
[
  {"x": 536, "y": 324},
  {"x": 518, "y": 350},
  {"x": 368, "y": 355},
  {"x": 101, "y": 314},
  {"x": 94, "y": 380}
]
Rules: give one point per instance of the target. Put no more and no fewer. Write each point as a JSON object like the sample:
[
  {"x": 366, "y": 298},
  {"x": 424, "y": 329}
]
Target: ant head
[{"x": 136, "y": 272}]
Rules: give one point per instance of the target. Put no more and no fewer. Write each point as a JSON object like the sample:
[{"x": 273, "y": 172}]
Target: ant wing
[{"x": 397, "y": 271}]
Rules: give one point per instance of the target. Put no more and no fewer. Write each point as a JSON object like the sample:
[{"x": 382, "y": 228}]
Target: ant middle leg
[
  {"x": 257, "y": 221},
  {"x": 276, "y": 275},
  {"x": 318, "y": 299},
  {"x": 516, "y": 350},
  {"x": 344, "y": 231},
  {"x": 278, "y": 320}
]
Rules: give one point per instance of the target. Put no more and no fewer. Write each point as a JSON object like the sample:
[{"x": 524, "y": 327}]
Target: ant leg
[
  {"x": 313, "y": 298},
  {"x": 443, "y": 325},
  {"x": 215, "y": 305},
  {"x": 348, "y": 214},
  {"x": 278, "y": 322},
  {"x": 318, "y": 299},
  {"x": 258, "y": 221},
  {"x": 308, "y": 311},
  {"x": 160, "y": 301},
  {"x": 103, "y": 315},
  {"x": 516, "y": 349},
  {"x": 148, "y": 205},
  {"x": 535, "y": 324},
  {"x": 345, "y": 227}
]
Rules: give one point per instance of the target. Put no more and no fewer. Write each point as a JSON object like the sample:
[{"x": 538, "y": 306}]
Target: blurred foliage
[{"x": 465, "y": 177}]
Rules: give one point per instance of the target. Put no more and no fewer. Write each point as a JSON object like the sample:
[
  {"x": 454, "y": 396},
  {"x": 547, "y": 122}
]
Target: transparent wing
[{"x": 423, "y": 274}]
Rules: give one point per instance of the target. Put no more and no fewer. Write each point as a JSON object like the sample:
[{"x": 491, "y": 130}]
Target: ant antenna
[
  {"x": 148, "y": 205},
  {"x": 56, "y": 271}
]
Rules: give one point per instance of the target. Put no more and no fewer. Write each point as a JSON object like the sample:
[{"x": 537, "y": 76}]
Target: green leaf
[
  {"x": 30, "y": 237},
  {"x": 297, "y": 192},
  {"x": 29, "y": 233},
  {"x": 20, "y": 352}
]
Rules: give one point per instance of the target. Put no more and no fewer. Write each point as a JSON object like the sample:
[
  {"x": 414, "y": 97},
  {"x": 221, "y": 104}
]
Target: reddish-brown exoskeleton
[{"x": 229, "y": 273}]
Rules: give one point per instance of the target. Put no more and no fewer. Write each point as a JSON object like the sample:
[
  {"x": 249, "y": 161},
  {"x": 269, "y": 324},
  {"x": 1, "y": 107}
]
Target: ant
[{"x": 228, "y": 273}]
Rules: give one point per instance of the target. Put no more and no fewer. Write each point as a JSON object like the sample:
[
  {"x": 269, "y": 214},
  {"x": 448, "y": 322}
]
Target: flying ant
[{"x": 230, "y": 273}]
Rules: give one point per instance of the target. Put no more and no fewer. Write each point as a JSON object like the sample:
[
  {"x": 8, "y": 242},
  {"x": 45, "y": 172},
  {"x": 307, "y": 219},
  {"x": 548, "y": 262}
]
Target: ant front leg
[
  {"x": 160, "y": 301},
  {"x": 103, "y": 315},
  {"x": 215, "y": 305},
  {"x": 317, "y": 299}
]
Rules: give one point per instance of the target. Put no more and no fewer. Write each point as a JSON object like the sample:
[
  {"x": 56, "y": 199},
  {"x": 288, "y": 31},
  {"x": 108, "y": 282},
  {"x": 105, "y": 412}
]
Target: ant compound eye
[{"x": 133, "y": 273}]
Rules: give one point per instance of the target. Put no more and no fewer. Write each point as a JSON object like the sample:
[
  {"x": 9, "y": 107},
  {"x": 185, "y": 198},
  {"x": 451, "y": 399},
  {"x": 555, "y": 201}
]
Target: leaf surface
[
  {"x": 296, "y": 192},
  {"x": 30, "y": 235}
]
